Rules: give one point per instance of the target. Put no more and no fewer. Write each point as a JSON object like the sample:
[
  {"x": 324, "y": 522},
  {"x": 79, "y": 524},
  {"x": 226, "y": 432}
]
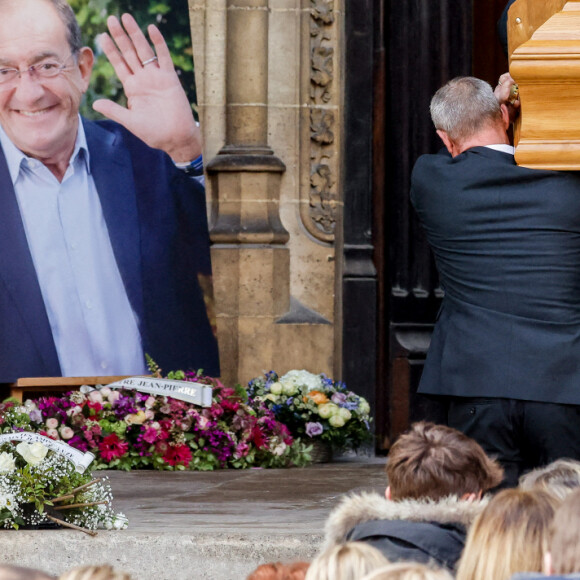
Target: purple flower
[
  {"x": 124, "y": 406},
  {"x": 313, "y": 429},
  {"x": 78, "y": 443},
  {"x": 338, "y": 398},
  {"x": 36, "y": 416}
]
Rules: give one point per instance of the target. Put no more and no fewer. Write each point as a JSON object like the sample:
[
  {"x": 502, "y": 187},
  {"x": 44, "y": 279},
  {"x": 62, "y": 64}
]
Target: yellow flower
[{"x": 136, "y": 418}]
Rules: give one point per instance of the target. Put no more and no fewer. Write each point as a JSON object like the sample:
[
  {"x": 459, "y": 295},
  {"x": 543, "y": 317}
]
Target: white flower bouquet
[
  {"x": 39, "y": 487},
  {"x": 314, "y": 407}
]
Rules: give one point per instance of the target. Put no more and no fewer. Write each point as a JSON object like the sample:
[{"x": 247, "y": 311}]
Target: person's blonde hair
[
  {"x": 104, "y": 572},
  {"x": 279, "y": 571},
  {"x": 349, "y": 561},
  {"x": 560, "y": 478},
  {"x": 510, "y": 535},
  {"x": 565, "y": 540},
  {"x": 408, "y": 571}
]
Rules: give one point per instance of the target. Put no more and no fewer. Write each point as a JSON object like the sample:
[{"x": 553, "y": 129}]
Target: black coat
[
  {"x": 424, "y": 542},
  {"x": 506, "y": 241},
  {"x": 416, "y": 530}
]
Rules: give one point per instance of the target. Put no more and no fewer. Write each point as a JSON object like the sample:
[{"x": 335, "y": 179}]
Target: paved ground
[
  {"x": 272, "y": 500},
  {"x": 214, "y": 525}
]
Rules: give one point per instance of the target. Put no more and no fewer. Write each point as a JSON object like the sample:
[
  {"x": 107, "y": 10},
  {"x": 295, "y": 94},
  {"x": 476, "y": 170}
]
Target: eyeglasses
[{"x": 45, "y": 70}]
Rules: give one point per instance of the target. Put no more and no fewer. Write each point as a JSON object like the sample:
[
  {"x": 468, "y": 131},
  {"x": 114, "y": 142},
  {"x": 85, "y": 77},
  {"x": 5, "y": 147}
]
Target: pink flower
[
  {"x": 149, "y": 414},
  {"x": 113, "y": 397},
  {"x": 106, "y": 391},
  {"x": 241, "y": 450},
  {"x": 66, "y": 432},
  {"x": 52, "y": 433},
  {"x": 150, "y": 402},
  {"x": 161, "y": 447},
  {"x": 52, "y": 423},
  {"x": 112, "y": 447},
  {"x": 150, "y": 435},
  {"x": 95, "y": 397},
  {"x": 202, "y": 423}
]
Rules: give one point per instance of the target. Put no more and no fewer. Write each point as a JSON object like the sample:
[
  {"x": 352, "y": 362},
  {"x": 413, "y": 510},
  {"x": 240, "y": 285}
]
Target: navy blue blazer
[
  {"x": 156, "y": 219},
  {"x": 506, "y": 242}
]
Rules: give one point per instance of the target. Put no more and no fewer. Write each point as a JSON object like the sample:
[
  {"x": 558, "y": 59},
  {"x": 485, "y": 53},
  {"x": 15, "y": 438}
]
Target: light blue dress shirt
[{"x": 93, "y": 325}]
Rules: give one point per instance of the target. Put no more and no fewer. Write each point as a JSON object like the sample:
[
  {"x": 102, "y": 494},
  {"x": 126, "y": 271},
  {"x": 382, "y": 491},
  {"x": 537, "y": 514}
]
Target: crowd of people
[{"x": 444, "y": 515}]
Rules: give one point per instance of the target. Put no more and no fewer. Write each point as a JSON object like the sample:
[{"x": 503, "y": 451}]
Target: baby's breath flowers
[{"x": 39, "y": 486}]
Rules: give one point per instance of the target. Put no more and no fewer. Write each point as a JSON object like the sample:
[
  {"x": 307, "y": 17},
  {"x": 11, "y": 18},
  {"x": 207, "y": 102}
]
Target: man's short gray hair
[
  {"x": 66, "y": 14},
  {"x": 463, "y": 106}
]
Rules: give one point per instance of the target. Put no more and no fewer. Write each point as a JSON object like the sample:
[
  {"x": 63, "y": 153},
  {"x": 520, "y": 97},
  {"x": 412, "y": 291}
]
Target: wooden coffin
[{"x": 544, "y": 46}]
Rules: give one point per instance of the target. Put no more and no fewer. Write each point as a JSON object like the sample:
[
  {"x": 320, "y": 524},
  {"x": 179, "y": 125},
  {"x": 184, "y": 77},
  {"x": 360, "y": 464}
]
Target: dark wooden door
[
  {"x": 398, "y": 53},
  {"x": 426, "y": 43}
]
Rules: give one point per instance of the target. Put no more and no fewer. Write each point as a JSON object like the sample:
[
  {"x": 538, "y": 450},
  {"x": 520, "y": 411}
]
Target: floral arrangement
[
  {"x": 126, "y": 429},
  {"x": 39, "y": 486},
  {"x": 314, "y": 407}
]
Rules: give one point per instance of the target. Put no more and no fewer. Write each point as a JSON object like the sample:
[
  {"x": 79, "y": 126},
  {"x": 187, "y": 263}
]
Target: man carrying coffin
[
  {"x": 104, "y": 233},
  {"x": 505, "y": 352}
]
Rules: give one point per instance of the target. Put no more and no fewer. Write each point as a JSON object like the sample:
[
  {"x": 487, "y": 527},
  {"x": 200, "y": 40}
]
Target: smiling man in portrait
[{"x": 104, "y": 230}]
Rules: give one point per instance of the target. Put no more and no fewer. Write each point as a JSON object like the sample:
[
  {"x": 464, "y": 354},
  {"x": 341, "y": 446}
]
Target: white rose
[
  {"x": 7, "y": 462},
  {"x": 364, "y": 407},
  {"x": 113, "y": 396},
  {"x": 95, "y": 397},
  {"x": 289, "y": 389},
  {"x": 279, "y": 449},
  {"x": 33, "y": 453},
  {"x": 345, "y": 414},
  {"x": 336, "y": 421},
  {"x": 276, "y": 388},
  {"x": 120, "y": 522},
  {"x": 52, "y": 433},
  {"x": 302, "y": 378},
  {"x": 66, "y": 432},
  {"x": 73, "y": 411},
  {"x": 327, "y": 410},
  {"x": 52, "y": 423},
  {"x": 105, "y": 391}
]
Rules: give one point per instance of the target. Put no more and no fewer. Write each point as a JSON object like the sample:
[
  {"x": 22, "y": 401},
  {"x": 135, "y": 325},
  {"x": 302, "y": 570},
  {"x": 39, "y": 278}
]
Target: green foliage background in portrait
[{"x": 170, "y": 16}]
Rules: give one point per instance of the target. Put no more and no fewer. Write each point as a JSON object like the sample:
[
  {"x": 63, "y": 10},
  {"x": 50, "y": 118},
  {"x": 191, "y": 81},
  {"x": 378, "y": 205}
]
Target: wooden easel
[{"x": 28, "y": 388}]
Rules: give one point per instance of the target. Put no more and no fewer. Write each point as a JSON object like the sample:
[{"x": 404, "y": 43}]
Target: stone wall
[{"x": 269, "y": 96}]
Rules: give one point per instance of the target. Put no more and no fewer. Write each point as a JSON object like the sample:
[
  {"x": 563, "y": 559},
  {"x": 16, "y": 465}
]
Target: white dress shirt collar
[
  {"x": 15, "y": 157},
  {"x": 502, "y": 147}
]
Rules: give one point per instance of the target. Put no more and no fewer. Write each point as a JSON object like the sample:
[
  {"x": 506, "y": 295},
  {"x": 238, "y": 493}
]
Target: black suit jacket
[
  {"x": 156, "y": 219},
  {"x": 506, "y": 241}
]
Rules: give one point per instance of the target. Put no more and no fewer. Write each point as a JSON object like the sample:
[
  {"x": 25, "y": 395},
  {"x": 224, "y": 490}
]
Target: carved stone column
[
  {"x": 268, "y": 78},
  {"x": 250, "y": 259}
]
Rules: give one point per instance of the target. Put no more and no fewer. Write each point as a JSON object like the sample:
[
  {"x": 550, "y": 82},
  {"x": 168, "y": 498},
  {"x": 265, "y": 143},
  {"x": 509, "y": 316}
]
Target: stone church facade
[{"x": 313, "y": 114}]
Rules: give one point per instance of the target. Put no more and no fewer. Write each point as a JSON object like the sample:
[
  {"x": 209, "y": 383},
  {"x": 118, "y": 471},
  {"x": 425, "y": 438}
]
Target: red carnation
[
  {"x": 112, "y": 447},
  {"x": 178, "y": 455}
]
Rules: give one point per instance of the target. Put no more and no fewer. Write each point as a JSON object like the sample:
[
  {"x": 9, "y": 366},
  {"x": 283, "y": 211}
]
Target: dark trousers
[{"x": 521, "y": 435}]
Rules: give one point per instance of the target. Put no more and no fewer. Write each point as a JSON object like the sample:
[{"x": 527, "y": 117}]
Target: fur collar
[{"x": 357, "y": 509}]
